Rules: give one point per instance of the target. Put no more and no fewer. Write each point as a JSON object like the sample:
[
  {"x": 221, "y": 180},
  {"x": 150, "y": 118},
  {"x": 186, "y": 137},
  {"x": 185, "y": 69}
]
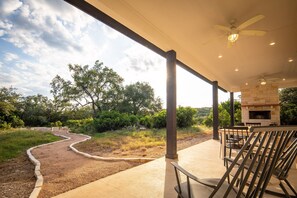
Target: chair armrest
[{"x": 178, "y": 167}]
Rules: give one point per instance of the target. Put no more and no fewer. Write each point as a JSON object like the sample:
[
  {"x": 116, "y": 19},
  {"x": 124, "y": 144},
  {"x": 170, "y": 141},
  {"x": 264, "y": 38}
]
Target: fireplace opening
[{"x": 259, "y": 114}]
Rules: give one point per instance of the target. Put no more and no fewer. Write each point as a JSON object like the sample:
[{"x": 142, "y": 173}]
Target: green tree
[
  {"x": 185, "y": 116},
  {"x": 139, "y": 98},
  {"x": 288, "y": 113},
  {"x": 9, "y": 95},
  {"x": 224, "y": 114},
  {"x": 99, "y": 87},
  {"x": 36, "y": 110},
  {"x": 9, "y": 108}
]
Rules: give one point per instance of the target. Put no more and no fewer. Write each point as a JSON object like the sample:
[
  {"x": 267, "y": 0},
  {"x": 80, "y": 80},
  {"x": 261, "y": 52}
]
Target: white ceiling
[{"x": 187, "y": 26}]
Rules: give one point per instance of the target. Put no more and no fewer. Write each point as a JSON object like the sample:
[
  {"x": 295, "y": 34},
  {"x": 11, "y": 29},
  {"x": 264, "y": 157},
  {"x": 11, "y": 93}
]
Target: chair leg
[
  {"x": 284, "y": 190},
  {"x": 291, "y": 187}
]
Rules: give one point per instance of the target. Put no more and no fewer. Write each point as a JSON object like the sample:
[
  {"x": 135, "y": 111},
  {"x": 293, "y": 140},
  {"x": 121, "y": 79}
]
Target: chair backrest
[
  {"x": 266, "y": 142},
  {"x": 236, "y": 132},
  {"x": 286, "y": 161}
]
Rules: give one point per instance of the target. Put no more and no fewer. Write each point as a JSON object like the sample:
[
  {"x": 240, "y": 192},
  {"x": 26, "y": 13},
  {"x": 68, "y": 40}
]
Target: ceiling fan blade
[
  {"x": 252, "y": 32},
  {"x": 223, "y": 28},
  {"x": 250, "y": 22}
]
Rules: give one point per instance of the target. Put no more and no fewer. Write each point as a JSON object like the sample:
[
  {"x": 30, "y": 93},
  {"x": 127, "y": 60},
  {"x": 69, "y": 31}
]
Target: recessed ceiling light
[
  {"x": 236, "y": 69},
  {"x": 246, "y": 83},
  {"x": 272, "y": 43},
  {"x": 220, "y": 56},
  {"x": 284, "y": 79},
  {"x": 290, "y": 60}
]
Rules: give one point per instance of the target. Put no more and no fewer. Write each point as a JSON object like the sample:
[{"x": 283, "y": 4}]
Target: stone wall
[{"x": 260, "y": 98}]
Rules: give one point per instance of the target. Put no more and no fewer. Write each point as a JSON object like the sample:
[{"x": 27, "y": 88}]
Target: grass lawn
[
  {"x": 15, "y": 141},
  {"x": 130, "y": 140}
]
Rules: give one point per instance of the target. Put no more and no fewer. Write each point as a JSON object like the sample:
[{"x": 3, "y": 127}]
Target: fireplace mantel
[{"x": 261, "y": 105}]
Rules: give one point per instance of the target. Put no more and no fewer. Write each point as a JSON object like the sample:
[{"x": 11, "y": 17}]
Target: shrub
[
  {"x": 5, "y": 125},
  {"x": 113, "y": 120},
  {"x": 147, "y": 121},
  {"x": 56, "y": 124},
  {"x": 80, "y": 126},
  {"x": 134, "y": 121},
  {"x": 17, "y": 122},
  {"x": 185, "y": 116},
  {"x": 159, "y": 119}
]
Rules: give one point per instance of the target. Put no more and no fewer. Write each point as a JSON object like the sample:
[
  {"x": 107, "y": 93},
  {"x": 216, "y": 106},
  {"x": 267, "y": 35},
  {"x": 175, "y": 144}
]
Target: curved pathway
[{"x": 63, "y": 170}]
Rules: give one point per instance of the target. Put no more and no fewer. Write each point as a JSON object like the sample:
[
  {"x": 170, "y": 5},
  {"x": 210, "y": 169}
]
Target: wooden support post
[
  {"x": 232, "y": 108},
  {"x": 171, "y": 139},
  {"x": 215, "y": 109}
]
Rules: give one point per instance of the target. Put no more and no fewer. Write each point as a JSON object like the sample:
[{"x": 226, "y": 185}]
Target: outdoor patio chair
[
  {"x": 234, "y": 138},
  {"x": 270, "y": 143},
  {"x": 283, "y": 165},
  {"x": 283, "y": 168}
]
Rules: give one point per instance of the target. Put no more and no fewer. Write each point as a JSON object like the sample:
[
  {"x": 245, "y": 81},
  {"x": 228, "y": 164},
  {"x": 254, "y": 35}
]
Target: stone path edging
[
  {"x": 38, "y": 175},
  {"x": 105, "y": 158}
]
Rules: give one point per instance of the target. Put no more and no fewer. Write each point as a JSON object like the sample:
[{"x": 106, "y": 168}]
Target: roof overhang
[{"x": 187, "y": 27}]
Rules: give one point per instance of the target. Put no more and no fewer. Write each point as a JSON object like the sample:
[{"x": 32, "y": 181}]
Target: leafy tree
[
  {"x": 36, "y": 110},
  {"x": 99, "y": 86},
  {"x": 185, "y": 116},
  {"x": 224, "y": 114},
  {"x": 9, "y": 95},
  {"x": 9, "y": 103},
  {"x": 288, "y": 113},
  {"x": 139, "y": 99}
]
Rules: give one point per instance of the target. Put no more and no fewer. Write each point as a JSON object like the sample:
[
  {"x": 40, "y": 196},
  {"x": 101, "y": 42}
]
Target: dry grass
[{"x": 125, "y": 140}]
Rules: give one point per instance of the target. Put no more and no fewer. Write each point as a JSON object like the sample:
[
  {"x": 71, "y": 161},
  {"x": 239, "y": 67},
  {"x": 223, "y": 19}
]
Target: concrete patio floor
[{"x": 156, "y": 178}]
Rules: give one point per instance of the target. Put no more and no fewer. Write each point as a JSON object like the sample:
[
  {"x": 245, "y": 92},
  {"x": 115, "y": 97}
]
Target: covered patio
[
  {"x": 247, "y": 46},
  {"x": 157, "y": 178},
  {"x": 236, "y": 46}
]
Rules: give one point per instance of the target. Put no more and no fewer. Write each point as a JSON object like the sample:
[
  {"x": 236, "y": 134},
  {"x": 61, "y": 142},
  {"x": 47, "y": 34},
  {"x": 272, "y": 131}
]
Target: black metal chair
[
  {"x": 234, "y": 138},
  {"x": 284, "y": 163},
  {"x": 283, "y": 167},
  {"x": 270, "y": 144}
]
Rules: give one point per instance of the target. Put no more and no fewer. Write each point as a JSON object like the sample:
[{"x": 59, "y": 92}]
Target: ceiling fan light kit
[
  {"x": 263, "y": 82},
  {"x": 233, "y": 31},
  {"x": 233, "y": 37}
]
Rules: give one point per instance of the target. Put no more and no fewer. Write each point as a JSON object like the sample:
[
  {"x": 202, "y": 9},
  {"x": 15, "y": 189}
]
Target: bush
[
  {"x": 185, "y": 116},
  {"x": 134, "y": 121},
  {"x": 80, "y": 126},
  {"x": 159, "y": 119},
  {"x": 113, "y": 120},
  {"x": 56, "y": 124},
  {"x": 17, "y": 122},
  {"x": 147, "y": 121},
  {"x": 4, "y": 125}
]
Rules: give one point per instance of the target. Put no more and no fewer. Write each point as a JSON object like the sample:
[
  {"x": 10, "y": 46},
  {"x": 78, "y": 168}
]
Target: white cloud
[
  {"x": 42, "y": 27},
  {"x": 8, "y": 6},
  {"x": 10, "y": 57},
  {"x": 111, "y": 33},
  {"x": 141, "y": 59},
  {"x": 2, "y": 32}
]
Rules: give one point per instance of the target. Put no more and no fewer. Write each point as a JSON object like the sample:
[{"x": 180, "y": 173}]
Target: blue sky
[{"x": 39, "y": 38}]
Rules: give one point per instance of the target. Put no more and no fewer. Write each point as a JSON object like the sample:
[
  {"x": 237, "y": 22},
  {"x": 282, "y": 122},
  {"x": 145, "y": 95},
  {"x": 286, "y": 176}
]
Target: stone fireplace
[{"x": 260, "y": 104}]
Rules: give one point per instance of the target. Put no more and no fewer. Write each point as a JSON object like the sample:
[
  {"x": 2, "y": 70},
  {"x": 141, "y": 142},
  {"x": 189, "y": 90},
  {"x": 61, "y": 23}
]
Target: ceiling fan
[
  {"x": 268, "y": 78},
  {"x": 234, "y": 31}
]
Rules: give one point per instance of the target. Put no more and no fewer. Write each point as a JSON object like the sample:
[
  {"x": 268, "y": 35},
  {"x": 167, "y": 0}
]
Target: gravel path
[{"x": 64, "y": 170}]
